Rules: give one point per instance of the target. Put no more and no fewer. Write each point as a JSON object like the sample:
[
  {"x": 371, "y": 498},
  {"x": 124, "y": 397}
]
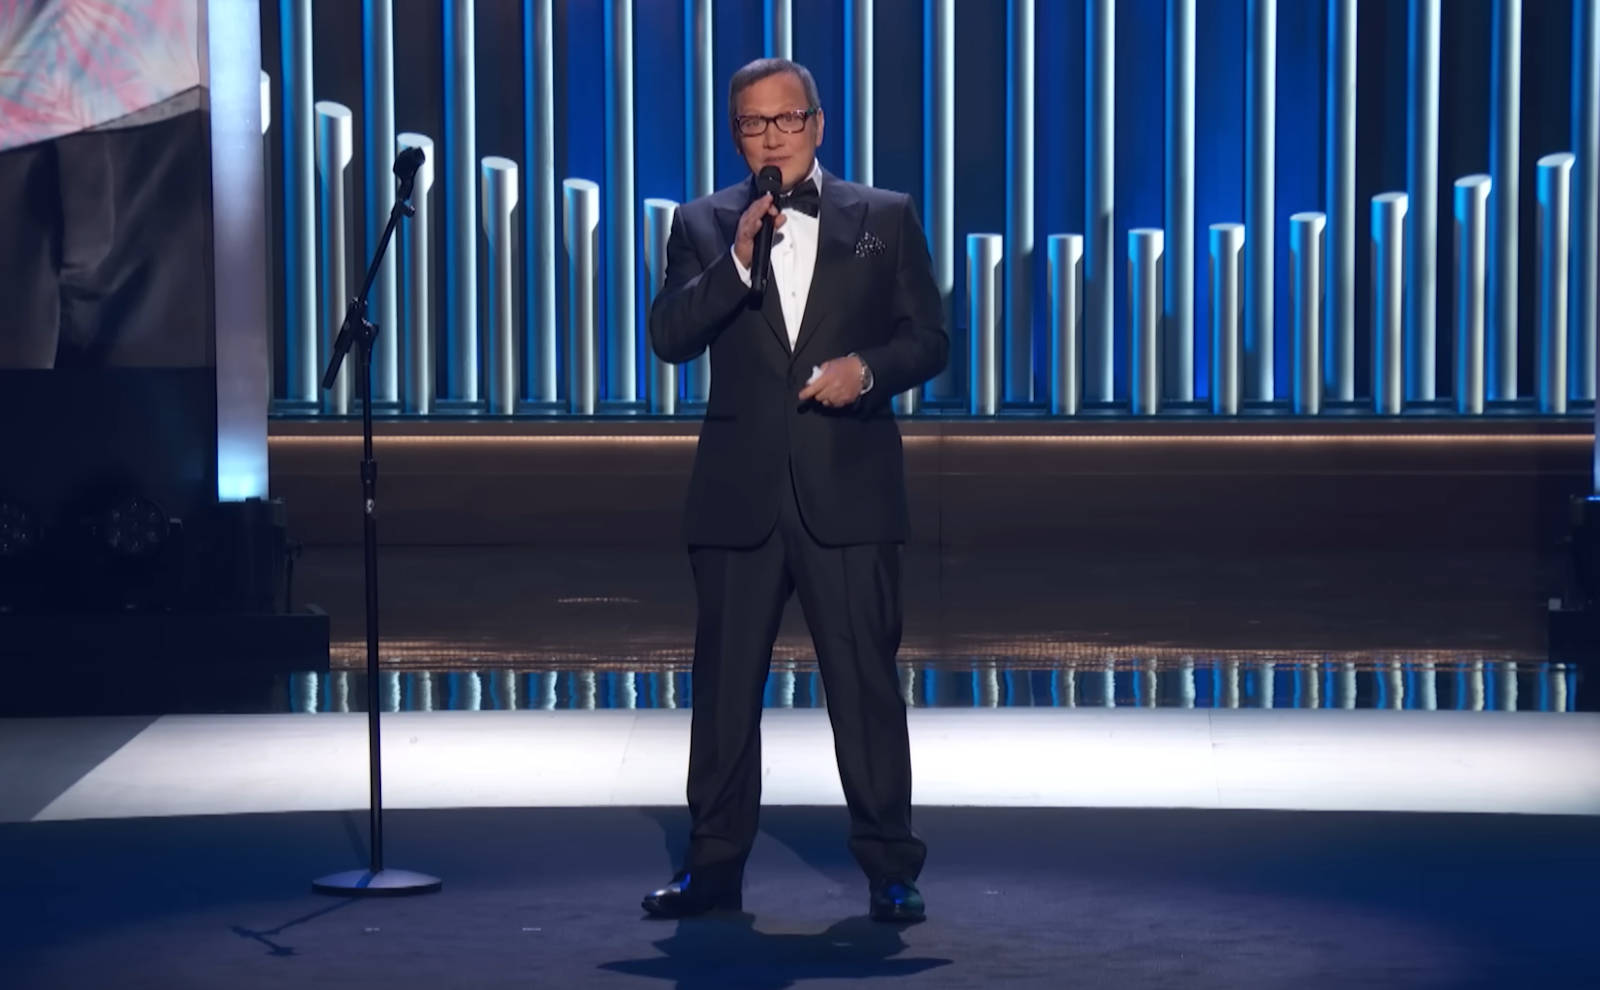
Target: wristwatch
[{"x": 866, "y": 373}]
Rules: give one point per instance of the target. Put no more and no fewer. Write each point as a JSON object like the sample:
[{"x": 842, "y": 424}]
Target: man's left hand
[{"x": 839, "y": 384}]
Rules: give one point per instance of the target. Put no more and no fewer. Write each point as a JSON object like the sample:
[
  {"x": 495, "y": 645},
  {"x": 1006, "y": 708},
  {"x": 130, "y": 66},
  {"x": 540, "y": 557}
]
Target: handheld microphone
[{"x": 768, "y": 181}]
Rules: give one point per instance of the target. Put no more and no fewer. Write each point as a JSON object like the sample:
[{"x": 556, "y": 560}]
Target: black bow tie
[{"x": 804, "y": 198}]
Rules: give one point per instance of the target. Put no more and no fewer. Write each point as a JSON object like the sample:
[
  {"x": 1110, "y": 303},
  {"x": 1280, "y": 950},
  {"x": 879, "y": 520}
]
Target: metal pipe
[
  {"x": 939, "y": 163},
  {"x": 985, "y": 253},
  {"x": 581, "y": 234},
  {"x": 1145, "y": 249},
  {"x": 698, "y": 49},
  {"x": 334, "y": 151},
  {"x": 1388, "y": 301},
  {"x": 779, "y": 29},
  {"x": 1066, "y": 322},
  {"x": 858, "y": 91},
  {"x": 1471, "y": 257},
  {"x": 1260, "y": 178},
  {"x": 1505, "y": 165},
  {"x": 539, "y": 213},
  {"x": 1305, "y": 251},
  {"x": 1019, "y": 201},
  {"x": 377, "y": 86},
  {"x": 1422, "y": 185},
  {"x": 1339, "y": 324},
  {"x": 1099, "y": 179},
  {"x": 663, "y": 379},
  {"x": 415, "y": 251},
  {"x": 1555, "y": 201},
  {"x": 1585, "y": 304},
  {"x": 300, "y": 315},
  {"x": 1227, "y": 315},
  {"x": 1178, "y": 277},
  {"x": 623, "y": 332},
  {"x": 461, "y": 214},
  {"x": 499, "y": 201}
]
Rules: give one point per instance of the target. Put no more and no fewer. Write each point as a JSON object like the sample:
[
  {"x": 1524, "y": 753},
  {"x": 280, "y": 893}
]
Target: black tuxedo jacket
[{"x": 873, "y": 295}]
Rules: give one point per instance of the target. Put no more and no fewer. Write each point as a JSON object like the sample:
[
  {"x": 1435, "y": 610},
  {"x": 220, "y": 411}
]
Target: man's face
[{"x": 781, "y": 93}]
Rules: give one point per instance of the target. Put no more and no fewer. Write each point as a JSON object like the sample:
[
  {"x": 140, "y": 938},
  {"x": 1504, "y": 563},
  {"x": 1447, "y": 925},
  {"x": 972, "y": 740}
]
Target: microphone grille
[{"x": 769, "y": 180}]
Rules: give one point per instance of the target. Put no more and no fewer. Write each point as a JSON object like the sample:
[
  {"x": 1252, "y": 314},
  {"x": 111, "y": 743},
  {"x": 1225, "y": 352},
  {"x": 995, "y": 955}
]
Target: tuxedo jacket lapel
[
  {"x": 839, "y": 224},
  {"x": 771, "y": 308}
]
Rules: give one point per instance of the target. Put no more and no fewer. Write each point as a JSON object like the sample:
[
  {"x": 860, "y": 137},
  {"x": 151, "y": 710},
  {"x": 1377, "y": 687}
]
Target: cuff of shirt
[{"x": 738, "y": 266}]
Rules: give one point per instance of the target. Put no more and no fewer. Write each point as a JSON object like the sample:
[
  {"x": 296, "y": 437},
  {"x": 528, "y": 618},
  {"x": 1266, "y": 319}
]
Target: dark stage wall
[{"x": 973, "y": 486}]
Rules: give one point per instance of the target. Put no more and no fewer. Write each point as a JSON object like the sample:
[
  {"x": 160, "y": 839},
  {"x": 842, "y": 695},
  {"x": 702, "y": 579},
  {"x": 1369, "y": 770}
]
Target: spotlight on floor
[
  {"x": 134, "y": 556},
  {"x": 21, "y": 557}
]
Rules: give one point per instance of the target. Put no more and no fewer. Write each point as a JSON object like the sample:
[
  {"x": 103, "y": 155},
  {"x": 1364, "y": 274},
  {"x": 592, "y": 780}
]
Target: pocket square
[{"x": 869, "y": 246}]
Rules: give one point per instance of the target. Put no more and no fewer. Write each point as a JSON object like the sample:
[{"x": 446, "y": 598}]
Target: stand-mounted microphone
[{"x": 768, "y": 181}]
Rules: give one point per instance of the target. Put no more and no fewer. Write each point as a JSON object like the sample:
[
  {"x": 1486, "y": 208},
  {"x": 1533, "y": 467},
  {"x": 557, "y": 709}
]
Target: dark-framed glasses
[{"x": 755, "y": 125}]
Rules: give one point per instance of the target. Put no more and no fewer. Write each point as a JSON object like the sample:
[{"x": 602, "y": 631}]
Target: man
[{"x": 798, "y": 483}]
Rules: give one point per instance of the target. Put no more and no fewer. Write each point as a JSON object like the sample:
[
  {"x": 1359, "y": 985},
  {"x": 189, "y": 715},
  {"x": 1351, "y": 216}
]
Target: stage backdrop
[{"x": 467, "y": 74}]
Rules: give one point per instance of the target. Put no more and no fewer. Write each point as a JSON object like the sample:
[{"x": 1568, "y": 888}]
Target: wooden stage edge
[{"x": 1164, "y": 484}]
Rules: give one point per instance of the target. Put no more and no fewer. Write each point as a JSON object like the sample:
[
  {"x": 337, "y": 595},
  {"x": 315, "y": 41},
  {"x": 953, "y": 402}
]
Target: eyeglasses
[{"x": 793, "y": 122}]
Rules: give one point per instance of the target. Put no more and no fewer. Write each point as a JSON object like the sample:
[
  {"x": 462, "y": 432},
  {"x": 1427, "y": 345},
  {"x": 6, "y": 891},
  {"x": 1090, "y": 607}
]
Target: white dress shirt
[{"x": 794, "y": 260}]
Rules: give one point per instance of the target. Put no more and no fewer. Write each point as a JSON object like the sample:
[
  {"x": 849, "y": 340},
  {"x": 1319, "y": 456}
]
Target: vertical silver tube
[
  {"x": 268, "y": 303},
  {"x": 1260, "y": 185},
  {"x": 858, "y": 91},
  {"x": 985, "y": 253},
  {"x": 1019, "y": 201},
  {"x": 582, "y": 233},
  {"x": 1584, "y": 309},
  {"x": 939, "y": 162},
  {"x": 699, "y": 144},
  {"x": 1505, "y": 164},
  {"x": 414, "y": 247},
  {"x": 663, "y": 378},
  {"x": 1066, "y": 322},
  {"x": 622, "y": 322},
  {"x": 461, "y": 145},
  {"x": 1099, "y": 179},
  {"x": 539, "y": 213},
  {"x": 779, "y": 29},
  {"x": 300, "y": 200},
  {"x": 377, "y": 83},
  {"x": 334, "y": 151},
  {"x": 499, "y": 201},
  {"x": 1422, "y": 185},
  {"x": 1227, "y": 315},
  {"x": 1145, "y": 249},
  {"x": 1305, "y": 253},
  {"x": 1339, "y": 323},
  {"x": 1471, "y": 264},
  {"x": 1178, "y": 278},
  {"x": 1428, "y": 687},
  {"x": 1555, "y": 202},
  {"x": 1388, "y": 301}
]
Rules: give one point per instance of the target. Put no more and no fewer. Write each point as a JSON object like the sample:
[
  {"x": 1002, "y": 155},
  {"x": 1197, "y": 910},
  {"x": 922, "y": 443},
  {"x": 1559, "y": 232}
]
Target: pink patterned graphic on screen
[{"x": 69, "y": 65}]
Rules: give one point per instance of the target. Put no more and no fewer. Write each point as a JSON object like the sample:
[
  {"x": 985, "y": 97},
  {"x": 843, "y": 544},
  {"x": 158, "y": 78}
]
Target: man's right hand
[{"x": 744, "y": 241}]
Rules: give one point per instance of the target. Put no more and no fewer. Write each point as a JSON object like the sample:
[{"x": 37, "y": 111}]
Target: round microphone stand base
[{"x": 384, "y": 883}]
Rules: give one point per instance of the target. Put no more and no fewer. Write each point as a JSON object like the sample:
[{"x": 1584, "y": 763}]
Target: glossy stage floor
[{"x": 1327, "y": 755}]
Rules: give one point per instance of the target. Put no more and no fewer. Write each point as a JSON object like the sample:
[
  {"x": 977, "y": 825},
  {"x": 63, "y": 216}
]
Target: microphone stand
[{"x": 375, "y": 881}]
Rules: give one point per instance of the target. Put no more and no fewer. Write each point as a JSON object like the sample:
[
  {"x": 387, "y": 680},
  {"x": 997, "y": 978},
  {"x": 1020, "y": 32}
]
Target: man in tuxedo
[{"x": 798, "y": 483}]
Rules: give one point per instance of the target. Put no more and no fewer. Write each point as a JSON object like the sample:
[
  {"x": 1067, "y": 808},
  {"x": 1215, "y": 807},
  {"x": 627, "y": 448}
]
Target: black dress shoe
[
  {"x": 895, "y": 900},
  {"x": 691, "y": 894}
]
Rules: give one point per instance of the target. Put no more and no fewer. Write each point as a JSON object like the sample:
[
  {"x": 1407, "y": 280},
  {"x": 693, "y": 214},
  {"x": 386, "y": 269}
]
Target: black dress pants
[{"x": 851, "y": 600}]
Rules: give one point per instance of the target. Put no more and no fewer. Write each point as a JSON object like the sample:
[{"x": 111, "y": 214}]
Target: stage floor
[
  {"x": 1343, "y": 761},
  {"x": 1432, "y": 849}
]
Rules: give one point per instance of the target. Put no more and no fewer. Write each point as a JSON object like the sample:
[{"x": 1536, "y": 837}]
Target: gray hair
[{"x": 760, "y": 69}]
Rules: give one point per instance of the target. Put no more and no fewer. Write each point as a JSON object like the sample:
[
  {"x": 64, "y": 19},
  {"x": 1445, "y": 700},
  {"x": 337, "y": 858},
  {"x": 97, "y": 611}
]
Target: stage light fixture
[
  {"x": 133, "y": 554},
  {"x": 21, "y": 556}
]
